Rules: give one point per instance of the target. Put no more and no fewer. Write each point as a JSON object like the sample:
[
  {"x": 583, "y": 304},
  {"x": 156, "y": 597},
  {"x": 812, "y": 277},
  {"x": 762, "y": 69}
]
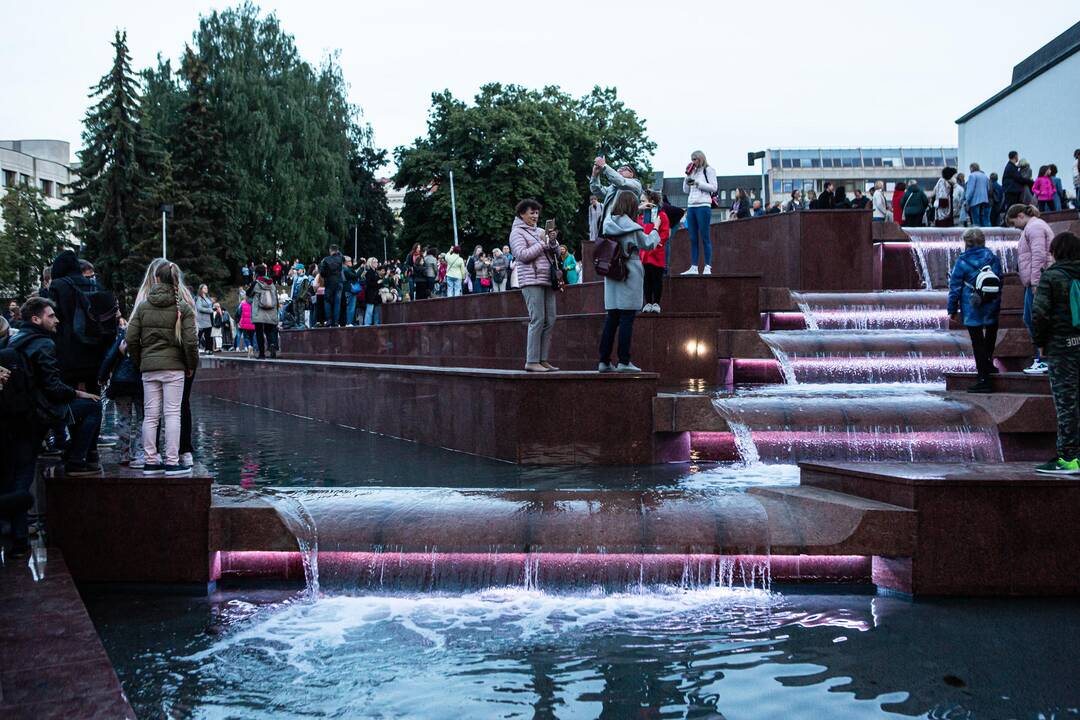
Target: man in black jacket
[
  {"x": 1013, "y": 183},
  {"x": 330, "y": 272},
  {"x": 826, "y": 199},
  {"x": 73, "y": 287},
  {"x": 56, "y": 402}
]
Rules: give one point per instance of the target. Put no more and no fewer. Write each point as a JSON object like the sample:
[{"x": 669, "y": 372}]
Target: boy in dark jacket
[{"x": 1056, "y": 331}]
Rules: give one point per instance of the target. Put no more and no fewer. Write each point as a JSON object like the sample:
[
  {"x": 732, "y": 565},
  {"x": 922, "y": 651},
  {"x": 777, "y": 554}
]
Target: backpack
[
  {"x": 17, "y": 396},
  {"x": 1074, "y": 302},
  {"x": 304, "y": 292},
  {"x": 267, "y": 299},
  {"x": 96, "y": 318},
  {"x": 987, "y": 286},
  {"x": 608, "y": 259}
]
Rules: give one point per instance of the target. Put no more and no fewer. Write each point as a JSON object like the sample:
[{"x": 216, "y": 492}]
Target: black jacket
[
  {"x": 825, "y": 200},
  {"x": 330, "y": 269},
  {"x": 67, "y": 283},
  {"x": 371, "y": 287},
  {"x": 1012, "y": 181},
  {"x": 1051, "y": 312},
  {"x": 40, "y": 350}
]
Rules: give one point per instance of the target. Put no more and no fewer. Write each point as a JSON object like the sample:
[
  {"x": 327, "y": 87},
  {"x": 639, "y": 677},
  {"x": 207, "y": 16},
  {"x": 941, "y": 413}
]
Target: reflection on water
[
  {"x": 665, "y": 653},
  {"x": 257, "y": 448}
]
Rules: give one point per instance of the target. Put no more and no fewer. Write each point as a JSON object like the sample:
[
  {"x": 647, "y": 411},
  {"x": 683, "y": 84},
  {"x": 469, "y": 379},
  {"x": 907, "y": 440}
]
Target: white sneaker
[
  {"x": 187, "y": 459},
  {"x": 605, "y": 367},
  {"x": 1038, "y": 367},
  {"x": 691, "y": 271},
  {"x": 656, "y": 308},
  {"x": 707, "y": 270},
  {"x": 627, "y": 368}
]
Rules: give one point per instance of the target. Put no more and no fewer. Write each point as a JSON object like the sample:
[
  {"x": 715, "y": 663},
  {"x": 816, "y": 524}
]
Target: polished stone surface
[
  {"x": 125, "y": 527},
  {"x": 562, "y": 418},
  {"x": 52, "y": 664},
  {"x": 999, "y": 529}
]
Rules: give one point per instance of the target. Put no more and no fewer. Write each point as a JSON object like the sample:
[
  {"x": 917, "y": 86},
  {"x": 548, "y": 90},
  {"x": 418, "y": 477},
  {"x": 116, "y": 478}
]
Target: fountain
[{"x": 935, "y": 250}]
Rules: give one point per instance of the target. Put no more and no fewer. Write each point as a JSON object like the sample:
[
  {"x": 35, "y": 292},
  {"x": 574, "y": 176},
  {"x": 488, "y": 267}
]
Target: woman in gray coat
[
  {"x": 204, "y": 316},
  {"x": 623, "y": 298}
]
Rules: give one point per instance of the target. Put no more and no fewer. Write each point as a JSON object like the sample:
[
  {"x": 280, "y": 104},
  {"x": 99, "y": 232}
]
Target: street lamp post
[
  {"x": 166, "y": 211},
  {"x": 750, "y": 158},
  {"x": 453, "y": 201}
]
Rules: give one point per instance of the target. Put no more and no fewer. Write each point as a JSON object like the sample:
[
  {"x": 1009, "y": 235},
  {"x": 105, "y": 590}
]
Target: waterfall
[{"x": 934, "y": 251}]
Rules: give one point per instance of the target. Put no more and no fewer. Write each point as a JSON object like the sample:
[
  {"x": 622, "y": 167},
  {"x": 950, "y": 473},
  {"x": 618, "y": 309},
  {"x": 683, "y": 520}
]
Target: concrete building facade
[
  {"x": 43, "y": 164},
  {"x": 1038, "y": 114}
]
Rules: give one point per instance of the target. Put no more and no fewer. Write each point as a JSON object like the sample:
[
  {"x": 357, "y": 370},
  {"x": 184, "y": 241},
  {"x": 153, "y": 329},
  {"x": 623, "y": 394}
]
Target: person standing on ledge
[
  {"x": 1012, "y": 182},
  {"x": 623, "y": 298},
  {"x": 700, "y": 184},
  {"x": 1032, "y": 257},
  {"x": 795, "y": 203},
  {"x": 880, "y": 203},
  {"x": 979, "y": 310},
  {"x": 977, "y": 195},
  {"x": 264, "y": 311},
  {"x": 1057, "y": 330},
  {"x": 825, "y": 199},
  {"x": 625, "y": 179},
  {"x": 653, "y": 260},
  {"x": 532, "y": 248},
  {"x": 330, "y": 272},
  {"x": 914, "y": 205}
]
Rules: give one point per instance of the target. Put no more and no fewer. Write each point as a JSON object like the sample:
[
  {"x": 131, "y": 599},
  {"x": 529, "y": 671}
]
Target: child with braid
[{"x": 162, "y": 343}]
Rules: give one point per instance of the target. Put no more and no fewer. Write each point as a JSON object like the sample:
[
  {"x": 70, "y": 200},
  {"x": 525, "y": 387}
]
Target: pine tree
[
  {"x": 114, "y": 183},
  {"x": 204, "y": 230}
]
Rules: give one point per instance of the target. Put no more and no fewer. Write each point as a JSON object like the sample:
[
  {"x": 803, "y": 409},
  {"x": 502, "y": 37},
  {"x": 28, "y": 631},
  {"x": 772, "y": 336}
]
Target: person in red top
[
  {"x": 897, "y": 196},
  {"x": 277, "y": 270},
  {"x": 653, "y": 260}
]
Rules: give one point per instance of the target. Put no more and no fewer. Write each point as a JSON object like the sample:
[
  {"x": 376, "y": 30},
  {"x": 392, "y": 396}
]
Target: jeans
[
  {"x": 84, "y": 430},
  {"x": 499, "y": 285},
  {"x": 241, "y": 336},
  {"x": 697, "y": 224},
  {"x": 453, "y": 287},
  {"x": 25, "y": 445},
  {"x": 373, "y": 314},
  {"x": 1046, "y": 205},
  {"x": 350, "y": 310},
  {"x": 983, "y": 341},
  {"x": 205, "y": 341},
  {"x": 266, "y": 335},
  {"x": 333, "y": 304},
  {"x": 654, "y": 284},
  {"x": 1029, "y": 299},
  {"x": 980, "y": 215},
  {"x": 128, "y": 428},
  {"x": 163, "y": 394},
  {"x": 1065, "y": 387},
  {"x": 623, "y": 320},
  {"x": 540, "y": 301}
]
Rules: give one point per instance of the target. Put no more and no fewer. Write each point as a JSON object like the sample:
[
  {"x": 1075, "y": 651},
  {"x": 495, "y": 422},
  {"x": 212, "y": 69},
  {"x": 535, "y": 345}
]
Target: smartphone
[
  {"x": 648, "y": 215},
  {"x": 549, "y": 226}
]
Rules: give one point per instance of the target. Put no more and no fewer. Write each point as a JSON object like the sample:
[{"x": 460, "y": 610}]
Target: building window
[
  {"x": 777, "y": 185},
  {"x": 24, "y": 179},
  {"x": 46, "y": 188},
  {"x": 9, "y": 178}
]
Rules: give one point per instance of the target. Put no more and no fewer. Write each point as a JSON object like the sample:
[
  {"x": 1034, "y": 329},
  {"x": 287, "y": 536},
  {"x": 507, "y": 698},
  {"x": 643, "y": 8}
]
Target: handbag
[
  {"x": 608, "y": 259},
  {"x": 558, "y": 277}
]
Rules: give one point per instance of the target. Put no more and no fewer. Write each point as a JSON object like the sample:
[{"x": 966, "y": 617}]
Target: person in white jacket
[
  {"x": 699, "y": 184},
  {"x": 880, "y": 203}
]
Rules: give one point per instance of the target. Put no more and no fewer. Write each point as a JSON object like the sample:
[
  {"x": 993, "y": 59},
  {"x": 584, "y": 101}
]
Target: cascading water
[
  {"x": 899, "y": 310},
  {"x": 934, "y": 251}
]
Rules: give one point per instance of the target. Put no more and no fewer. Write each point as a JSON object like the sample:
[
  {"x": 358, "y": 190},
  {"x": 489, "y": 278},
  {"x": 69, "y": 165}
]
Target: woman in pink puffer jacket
[
  {"x": 1033, "y": 255},
  {"x": 530, "y": 246}
]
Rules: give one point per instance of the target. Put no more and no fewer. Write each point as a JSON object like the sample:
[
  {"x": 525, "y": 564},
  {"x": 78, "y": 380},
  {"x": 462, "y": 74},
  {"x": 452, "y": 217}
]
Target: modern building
[
  {"x": 395, "y": 197},
  {"x": 810, "y": 168},
  {"x": 1038, "y": 114},
  {"x": 44, "y": 164}
]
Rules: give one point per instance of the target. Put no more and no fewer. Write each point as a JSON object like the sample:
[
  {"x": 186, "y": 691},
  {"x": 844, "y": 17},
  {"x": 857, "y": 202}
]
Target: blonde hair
[
  {"x": 151, "y": 277},
  {"x": 698, "y": 154}
]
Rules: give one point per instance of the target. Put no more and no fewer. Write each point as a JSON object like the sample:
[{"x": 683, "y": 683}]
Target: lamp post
[
  {"x": 166, "y": 211},
  {"x": 453, "y": 200},
  {"x": 750, "y": 158}
]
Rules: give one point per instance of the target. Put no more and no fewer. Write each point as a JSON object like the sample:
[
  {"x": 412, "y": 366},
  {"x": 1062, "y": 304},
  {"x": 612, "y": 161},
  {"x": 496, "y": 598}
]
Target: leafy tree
[
  {"x": 33, "y": 234},
  {"x": 512, "y": 143},
  {"x": 116, "y": 178}
]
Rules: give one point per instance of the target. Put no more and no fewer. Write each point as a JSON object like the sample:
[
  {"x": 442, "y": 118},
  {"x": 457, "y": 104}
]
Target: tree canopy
[
  {"x": 512, "y": 143},
  {"x": 33, "y": 235}
]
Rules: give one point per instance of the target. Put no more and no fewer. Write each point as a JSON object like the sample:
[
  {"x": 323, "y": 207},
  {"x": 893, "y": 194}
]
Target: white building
[
  {"x": 1038, "y": 114},
  {"x": 44, "y": 164}
]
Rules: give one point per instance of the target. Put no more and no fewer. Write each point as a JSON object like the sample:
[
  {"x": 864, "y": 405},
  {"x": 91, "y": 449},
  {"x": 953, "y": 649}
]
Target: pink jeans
[{"x": 162, "y": 388}]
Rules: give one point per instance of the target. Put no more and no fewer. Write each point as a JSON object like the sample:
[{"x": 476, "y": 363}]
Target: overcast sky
[{"x": 724, "y": 77}]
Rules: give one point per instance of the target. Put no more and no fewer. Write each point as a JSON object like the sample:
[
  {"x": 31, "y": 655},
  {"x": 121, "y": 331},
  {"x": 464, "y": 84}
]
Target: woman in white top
[
  {"x": 699, "y": 184},
  {"x": 880, "y": 203}
]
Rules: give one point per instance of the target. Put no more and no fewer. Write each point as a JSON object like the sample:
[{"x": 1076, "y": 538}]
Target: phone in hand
[
  {"x": 648, "y": 215},
  {"x": 549, "y": 226}
]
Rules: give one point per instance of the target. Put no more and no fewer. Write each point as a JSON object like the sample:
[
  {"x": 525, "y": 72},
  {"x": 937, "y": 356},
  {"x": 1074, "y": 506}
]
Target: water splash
[{"x": 934, "y": 251}]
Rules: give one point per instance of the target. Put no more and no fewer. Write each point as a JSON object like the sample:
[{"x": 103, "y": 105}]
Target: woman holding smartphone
[
  {"x": 531, "y": 246},
  {"x": 699, "y": 184}
]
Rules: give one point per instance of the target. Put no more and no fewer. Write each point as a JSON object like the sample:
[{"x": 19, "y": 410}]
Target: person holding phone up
[
  {"x": 699, "y": 185},
  {"x": 531, "y": 248}
]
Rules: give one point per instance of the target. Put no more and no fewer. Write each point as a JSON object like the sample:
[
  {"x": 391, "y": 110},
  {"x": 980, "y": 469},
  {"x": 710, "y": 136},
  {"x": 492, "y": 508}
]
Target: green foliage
[
  {"x": 512, "y": 143},
  {"x": 33, "y": 235}
]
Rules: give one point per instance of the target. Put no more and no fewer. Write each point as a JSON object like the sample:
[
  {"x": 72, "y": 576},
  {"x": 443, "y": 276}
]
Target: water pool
[{"x": 513, "y": 653}]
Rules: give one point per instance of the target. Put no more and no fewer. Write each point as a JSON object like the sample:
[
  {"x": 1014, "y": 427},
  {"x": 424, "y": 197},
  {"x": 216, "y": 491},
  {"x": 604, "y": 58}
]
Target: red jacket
[
  {"x": 897, "y": 211},
  {"x": 663, "y": 229}
]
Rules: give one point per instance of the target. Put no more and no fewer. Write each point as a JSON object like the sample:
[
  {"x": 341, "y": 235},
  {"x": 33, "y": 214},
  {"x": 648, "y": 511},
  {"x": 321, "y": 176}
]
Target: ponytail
[
  {"x": 174, "y": 273},
  {"x": 1018, "y": 209}
]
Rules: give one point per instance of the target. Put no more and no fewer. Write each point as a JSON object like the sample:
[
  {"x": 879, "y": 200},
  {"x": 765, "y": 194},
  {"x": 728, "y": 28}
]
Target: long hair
[
  {"x": 1019, "y": 209},
  {"x": 698, "y": 154},
  {"x": 626, "y": 203},
  {"x": 151, "y": 277},
  {"x": 169, "y": 274}
]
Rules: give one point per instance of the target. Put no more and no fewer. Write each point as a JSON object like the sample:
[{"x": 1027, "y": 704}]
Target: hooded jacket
[
  {"x": 40, "y": 350},
  {"x": 962, "y": 294},
  {"x": 1051, "y": 314},
  {"x": 1033, "y": 251},
  {"x": 914, "y": 203},
  {"x": 259, "y": 314},
  {"x": 151, "y": 333},
  {"x": 528, "y": 246},
  {"x": 67, "y": 283},
  {"x": 628, "y": 294}
]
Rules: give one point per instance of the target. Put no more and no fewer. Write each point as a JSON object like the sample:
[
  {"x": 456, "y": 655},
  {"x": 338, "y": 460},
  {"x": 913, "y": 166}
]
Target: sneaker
[
  {"x": 1037, "y": 368},
  {"x": 187, "y": 459},
  {"x": 81, "y": 469},
  {"x": 605, "y": 367},
  {"x": 691, "y": 271},
  {"x": 137, "y": 464},
  {"x": 153, "y": 469},
  {"x": 273, "y": 354},
  {"x": 1060, "y": 466},
  {"x": 656, "y": 308},
  {"x": 707, "y": 270},
  {"x": 177, "y": 470},
  {"x": 982, "y": 385},
  {"x": 627, "y": 368}
]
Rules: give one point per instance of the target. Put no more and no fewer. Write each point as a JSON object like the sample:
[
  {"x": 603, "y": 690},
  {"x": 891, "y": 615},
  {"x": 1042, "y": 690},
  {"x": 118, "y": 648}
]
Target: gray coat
[
  {"x": 204, "y": 312},
  {"x": 628, "y": 294},
  {"x": 617, "y": 184},
  {"x": 259, "y": 314}
]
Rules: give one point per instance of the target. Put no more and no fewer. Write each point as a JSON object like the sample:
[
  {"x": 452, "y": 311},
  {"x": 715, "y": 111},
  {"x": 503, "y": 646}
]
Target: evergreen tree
[
  {"x": 33, "y": 235},
  {"x": 114, "y": 182}
]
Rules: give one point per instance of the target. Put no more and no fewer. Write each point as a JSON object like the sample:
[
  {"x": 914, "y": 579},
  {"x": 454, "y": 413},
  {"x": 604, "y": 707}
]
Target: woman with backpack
[
  {"x": 700, "y": 184},
  {"x": 975, "y": 294},
  {"x": 532, "y": 248},
  {"x": 1033, "y": 256},
  {"x": 204, "y": 313},
  {"x": 264, "y": 312},
  {"x": 500, "y": 270},
  {"x": 623, "y": 298},
  {"x": 162, "y": 345}
]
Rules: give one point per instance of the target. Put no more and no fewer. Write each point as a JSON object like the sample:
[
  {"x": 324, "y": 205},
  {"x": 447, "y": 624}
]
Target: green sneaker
[{"x": 1060, "y": 466}]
